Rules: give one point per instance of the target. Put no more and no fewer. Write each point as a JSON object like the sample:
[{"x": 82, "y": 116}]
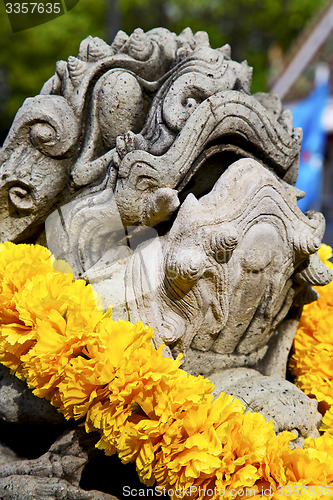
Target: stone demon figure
[{"x": 149, "y": 166}]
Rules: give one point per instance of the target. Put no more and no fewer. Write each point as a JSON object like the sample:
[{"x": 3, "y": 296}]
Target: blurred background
[{"x": 288, "y": 42}]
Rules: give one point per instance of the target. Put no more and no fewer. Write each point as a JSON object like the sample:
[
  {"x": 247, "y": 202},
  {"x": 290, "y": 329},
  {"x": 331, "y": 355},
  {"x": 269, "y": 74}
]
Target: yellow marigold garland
[
  {"x": 312, "y": 359},
  {"x": 53, "y": 335}
]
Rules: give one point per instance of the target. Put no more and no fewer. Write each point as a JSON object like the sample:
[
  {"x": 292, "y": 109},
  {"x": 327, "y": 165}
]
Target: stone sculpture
[{"x": 149, "y": 166}]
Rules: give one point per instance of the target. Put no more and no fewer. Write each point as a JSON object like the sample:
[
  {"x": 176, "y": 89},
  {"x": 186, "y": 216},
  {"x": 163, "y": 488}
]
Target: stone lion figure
[{"x": 149, "y": 166}]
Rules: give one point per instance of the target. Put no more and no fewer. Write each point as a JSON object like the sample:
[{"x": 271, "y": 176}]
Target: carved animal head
[
  {"x": 230, "y": 268},
  {"x": 161, "y": 130},
  {"x": 63, "y": 138},
  {"x": 153, "y": 115},
  {"x": 125, "y": 132}
]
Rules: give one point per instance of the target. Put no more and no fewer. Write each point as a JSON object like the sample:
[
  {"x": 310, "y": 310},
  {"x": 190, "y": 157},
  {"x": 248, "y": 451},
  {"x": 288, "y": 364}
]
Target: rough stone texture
[
  {"x": 7, "y": 455},
  {"x": 27, "y": 487},
  {"x": 54, "y": 475},
  {"x": 19, "y": 405},
  {"x": 274, "y": 363},
  {"x": 277, "y": 400},
  {"x": 160, "y": 179},
  {"x": 222, "y": 278}
]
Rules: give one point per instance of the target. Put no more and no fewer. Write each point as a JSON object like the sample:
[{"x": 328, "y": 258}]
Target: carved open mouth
[
  {"x": 225, "y": 128},
  {"x": 212, "y": 163}
]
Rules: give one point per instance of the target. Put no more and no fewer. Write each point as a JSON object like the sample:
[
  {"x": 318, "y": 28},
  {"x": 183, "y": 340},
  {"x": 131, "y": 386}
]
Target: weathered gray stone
[
  {"x": 7, "y": 455},
  {"x": 169, "y": 187},
  {"x": 276, "y": 399},
  {"x": 19, "y": 405},
  {"x": 225, "y": 270},
  {"x": 27, "y": 487},
  {"x": 54, "y": 475}
]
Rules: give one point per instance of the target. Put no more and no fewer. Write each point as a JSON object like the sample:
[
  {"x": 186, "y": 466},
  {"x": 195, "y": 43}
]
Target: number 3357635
[{"x": 32, "y": 7}]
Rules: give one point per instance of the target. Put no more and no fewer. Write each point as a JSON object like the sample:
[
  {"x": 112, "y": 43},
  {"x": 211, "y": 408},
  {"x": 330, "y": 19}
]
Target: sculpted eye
[
  {"x": 42, "y": 134},
  {"x": 191, "y": 103}
]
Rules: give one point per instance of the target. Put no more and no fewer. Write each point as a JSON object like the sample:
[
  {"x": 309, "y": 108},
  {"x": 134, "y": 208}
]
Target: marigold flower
[
  {"x": 146, "y": 408},
  {"x": 313, "y": 343}
]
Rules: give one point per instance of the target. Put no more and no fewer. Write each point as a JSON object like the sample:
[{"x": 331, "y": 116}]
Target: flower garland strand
[
  {"x": 313, "y": 345},
  {"x": 146, "y": 408}
]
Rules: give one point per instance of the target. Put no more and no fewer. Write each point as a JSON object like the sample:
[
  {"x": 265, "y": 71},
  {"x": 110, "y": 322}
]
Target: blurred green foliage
[
  {"x": 27, "y": 58},
  {"x": 252, "y": 27}
]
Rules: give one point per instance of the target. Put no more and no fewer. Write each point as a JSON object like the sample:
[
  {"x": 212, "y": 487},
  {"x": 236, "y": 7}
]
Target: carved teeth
[
  {"x": 61, "y": 68},
  {"x": 286, "y": 120},
  {"x": 98, "y": 49},
  {"x": 190, "y": 204},
  {"x": 226, "y": 50},
  {"x": 76, "y": 69},
  {"x": 315, "y": 274},
  {"x": 186, "y": 36},
  {"x": 201, "y": 38},
  {"x": 120, "y": 39},
  {"x": 140, "y": 46},
  {"x": 271, "y": 102}
]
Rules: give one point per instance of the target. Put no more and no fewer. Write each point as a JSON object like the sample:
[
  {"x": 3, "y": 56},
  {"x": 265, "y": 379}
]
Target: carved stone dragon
[{"x": 165, "y": 183}]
